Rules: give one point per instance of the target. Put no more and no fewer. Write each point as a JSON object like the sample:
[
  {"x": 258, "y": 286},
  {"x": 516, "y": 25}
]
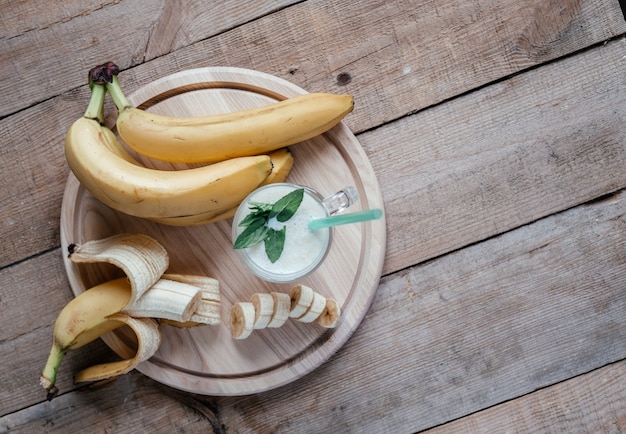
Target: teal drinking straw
[{"x": 342, "y": 219}]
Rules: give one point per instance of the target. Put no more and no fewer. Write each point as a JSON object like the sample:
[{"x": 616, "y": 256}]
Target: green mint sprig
[{"x": 256, "y": 224}]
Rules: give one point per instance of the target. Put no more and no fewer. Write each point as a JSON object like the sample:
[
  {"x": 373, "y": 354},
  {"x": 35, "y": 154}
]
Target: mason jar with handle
[{"x": 304, "y": 249}]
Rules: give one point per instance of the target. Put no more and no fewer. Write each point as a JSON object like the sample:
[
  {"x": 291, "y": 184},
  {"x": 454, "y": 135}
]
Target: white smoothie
[{"x": 303, "y": 249}]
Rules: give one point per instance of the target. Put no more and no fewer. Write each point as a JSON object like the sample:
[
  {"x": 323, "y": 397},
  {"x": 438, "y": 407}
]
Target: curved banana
[
  {"x": 150, "y": 193},
  {"x": 209, "y": 139},
  {"x": 83, "y": 320},
  {"x": 282, "y": 162},
  {"x": 144, "y": 295}
]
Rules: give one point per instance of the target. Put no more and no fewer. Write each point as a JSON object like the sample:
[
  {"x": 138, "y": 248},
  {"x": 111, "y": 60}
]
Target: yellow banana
[
  {"x": 150, "y": 193},
  {"x": 282, "y": 162},
  {"x": 83, "y": 320},
  {"x": 209, "y": 139}
]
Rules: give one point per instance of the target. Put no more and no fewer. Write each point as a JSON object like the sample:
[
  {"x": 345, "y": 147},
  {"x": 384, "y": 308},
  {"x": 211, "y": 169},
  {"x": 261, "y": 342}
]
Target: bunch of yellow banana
[
  {"x": 272, "y": 310},
  {"x": 144, "y": 298},
  {"x": 246, "y": 149}
]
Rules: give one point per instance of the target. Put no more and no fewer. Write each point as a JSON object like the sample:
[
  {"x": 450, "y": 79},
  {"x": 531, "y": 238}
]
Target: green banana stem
[
  {"x": 49, "y": 374},
  {"x": 95, "y": 108},
  {"x": 119, "y": 99}
]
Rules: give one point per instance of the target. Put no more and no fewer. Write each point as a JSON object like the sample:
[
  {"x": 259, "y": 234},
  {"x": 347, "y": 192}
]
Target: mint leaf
[
  {"x": 287, "y": 205},
  {"x": 254, "y": 218},
  {"x": 252, "y": 235},
  {"x": 259, "y": 206},
  {"x": 274, "y": 243}
]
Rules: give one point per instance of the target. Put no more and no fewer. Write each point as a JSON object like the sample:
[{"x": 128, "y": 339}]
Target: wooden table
[{"x": 497, "y": 131}]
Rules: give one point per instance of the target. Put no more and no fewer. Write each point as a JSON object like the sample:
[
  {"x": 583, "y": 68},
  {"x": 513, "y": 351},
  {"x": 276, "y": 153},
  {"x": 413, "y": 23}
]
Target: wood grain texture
[
  {"x": 147, "y": 406},
  {"x": 29, "y": 309},
  {"x": 34, "y": 136},
  {"x": 418, "y": 45},
  {"x": 421, "y": 53},
  {"x": 590, "y": 403},
  {"x": 45, "y": 51},
  {"x": 480, "y": 326},
  {"x": 448, "y": 338},
  {"x": 503, "y": 304},
  {"x": 556, "y": 138}
]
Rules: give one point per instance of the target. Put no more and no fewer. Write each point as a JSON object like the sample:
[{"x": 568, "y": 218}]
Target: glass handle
[{"x": 341, "y": 200}]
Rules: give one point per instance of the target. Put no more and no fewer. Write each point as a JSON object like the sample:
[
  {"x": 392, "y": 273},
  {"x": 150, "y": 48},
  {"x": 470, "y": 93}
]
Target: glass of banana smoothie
[{"x": 271, "y": 234}]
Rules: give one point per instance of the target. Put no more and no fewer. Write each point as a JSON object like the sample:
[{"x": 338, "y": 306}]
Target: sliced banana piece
[
  {"x": 241, "y": 320},
  {"x": 148, "y": 341},
  {"x": 301, "y": 300},
  {"x": 210, "y": 286},
  {"x": 263, "y": 309},
  {"x": 208, "y": 310},
  {"x": 282, "y": 306},
  {"x": 329, "y": 318},
  {"x": 315, "y": 310},
  {"x": 166, "y": 299}
]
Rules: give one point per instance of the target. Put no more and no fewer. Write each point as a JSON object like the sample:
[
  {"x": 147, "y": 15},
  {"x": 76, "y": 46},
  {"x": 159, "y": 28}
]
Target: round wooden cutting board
[{"x": 206, "y": 359}]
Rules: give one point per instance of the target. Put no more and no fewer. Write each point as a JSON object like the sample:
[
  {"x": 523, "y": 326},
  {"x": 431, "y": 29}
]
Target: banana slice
[
  {"x": 148, "y": 341},
  {"x": 208, "y": 309},
  {"x": 282, "y": 306},
  {"x": 263, "y": 309},
  {"x": 301, "y": 300},
  {"x": 241, "y": 320},
  {"x": 208, "y": 312},
  {"x": 210, "y": 287},
  {"x": 331, "y": 314},
  {"x": 315, "y": 310}
]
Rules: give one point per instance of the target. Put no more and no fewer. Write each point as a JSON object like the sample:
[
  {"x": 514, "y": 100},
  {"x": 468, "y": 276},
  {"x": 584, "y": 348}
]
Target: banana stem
[
  {"x": 95, "y": 108},
  {"x": 119, "y": 99},
  {"x": 49, "y": 374}
]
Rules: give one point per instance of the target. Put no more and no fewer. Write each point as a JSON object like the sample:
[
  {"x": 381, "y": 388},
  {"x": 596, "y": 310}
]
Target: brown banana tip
[
  {"x": 72, "y": 248},
  {"x": 103, "y": 74},
  {"x": 52, "y": 392},
  {"x": 112, "y": 69}
]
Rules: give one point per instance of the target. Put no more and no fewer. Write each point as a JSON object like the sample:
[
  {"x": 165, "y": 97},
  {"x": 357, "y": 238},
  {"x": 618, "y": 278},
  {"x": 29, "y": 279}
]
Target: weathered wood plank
[
  {"x": 503, "y": 156},
  {"x": 46, "y": 51},
  {"x": 402, "y": 56},
  {"x": 450, "y": 337},
  {"x": 441, "y": 168},
  {"x": 417, "y": 45},
  {"x": 131, "y": 404},
  {"x": 477, "y": 327},
  {"x": 29, "y": 309},
  {"x": 591, "y": 403}
]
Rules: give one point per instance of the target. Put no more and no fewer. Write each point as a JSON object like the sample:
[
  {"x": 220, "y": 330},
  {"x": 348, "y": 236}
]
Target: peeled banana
[
  {"x": 146, "y": 294},
  {"x": 209, "y": 139},
  {"x": 84, "y": 319},
  {"x": 136, "y": 190}
]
